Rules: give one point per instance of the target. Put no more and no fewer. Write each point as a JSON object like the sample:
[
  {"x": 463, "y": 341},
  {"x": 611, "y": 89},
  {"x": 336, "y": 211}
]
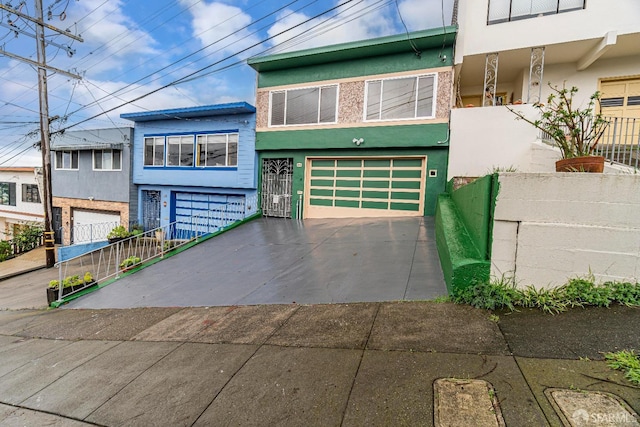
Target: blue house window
[
  {"x": 180, "y": 150},
  {"x": 154, "y": 151},
  {"x": 218, "y": 149}
]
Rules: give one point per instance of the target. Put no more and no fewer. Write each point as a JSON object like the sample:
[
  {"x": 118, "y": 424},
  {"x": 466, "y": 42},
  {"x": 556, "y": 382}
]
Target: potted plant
[
  {"x": 117, "y": 234},
  {"x": 130, "y": 262},
  {"x": 576, "y": 131},
  {"x": 69, "y": 284}
]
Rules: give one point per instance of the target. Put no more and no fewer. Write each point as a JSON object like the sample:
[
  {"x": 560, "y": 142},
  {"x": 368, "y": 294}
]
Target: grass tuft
[
  {"x": 578, "y": 292},
  {"x": 626, "y": 361}
]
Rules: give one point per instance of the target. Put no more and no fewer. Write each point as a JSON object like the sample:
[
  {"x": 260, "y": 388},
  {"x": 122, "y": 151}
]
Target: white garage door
[
  {"x": 365, "y": 187},
  {"x": 91, "y": 226}
]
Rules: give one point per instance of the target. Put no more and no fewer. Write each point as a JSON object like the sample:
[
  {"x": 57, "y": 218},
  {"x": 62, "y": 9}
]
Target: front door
[
  {"x": 277, "y": 175},
  {"x": 150, "y": 209}
]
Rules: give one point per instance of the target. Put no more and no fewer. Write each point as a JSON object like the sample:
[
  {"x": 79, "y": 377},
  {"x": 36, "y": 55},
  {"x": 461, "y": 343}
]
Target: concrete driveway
[{"x": 275, "y": 261}]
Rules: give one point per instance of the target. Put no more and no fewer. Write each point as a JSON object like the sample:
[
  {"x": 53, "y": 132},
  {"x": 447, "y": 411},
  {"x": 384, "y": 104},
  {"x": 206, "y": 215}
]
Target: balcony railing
[
  {"x": 512, "y": 10},
  {"x": 620, "y": 143}
]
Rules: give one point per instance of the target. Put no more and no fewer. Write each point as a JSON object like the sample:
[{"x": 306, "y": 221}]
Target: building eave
[{"x": 191, "y": 112}]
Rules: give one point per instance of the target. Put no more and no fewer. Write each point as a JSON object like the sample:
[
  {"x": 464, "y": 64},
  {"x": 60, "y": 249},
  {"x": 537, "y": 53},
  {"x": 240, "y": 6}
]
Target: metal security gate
[
  {"x": 277, "y": 175},
  {"x": 151, "y": 209}
]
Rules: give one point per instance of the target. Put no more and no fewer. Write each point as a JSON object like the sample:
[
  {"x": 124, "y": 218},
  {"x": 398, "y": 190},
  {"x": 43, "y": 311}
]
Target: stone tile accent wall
[{"x": 68, "y": 205}]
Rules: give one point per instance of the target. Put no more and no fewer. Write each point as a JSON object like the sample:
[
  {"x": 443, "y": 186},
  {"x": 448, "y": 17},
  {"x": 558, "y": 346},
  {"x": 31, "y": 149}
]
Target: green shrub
[
  {"x": 118, "y": 232},
  {"x": 5, "y": 250}
]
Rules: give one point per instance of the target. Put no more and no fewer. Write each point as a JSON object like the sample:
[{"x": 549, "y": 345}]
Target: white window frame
[
  {"x": 180, "y": 144},
  {"x": 70, "y": 152},
  {"x": 318, "y": 123},
  {"x": 144, "y": 151},
  {"x": 226, "y": 147},
  {"x": 415, "y": 115},
  {"x": 105, "y": 151},
  {"x": 30, "y": 189}
]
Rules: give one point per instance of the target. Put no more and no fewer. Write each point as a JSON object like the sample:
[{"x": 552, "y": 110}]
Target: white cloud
[
  {"x": 367, "y": 19},
  {"x": 422, "y": 14},
  {"x": 222, "y": 27}
]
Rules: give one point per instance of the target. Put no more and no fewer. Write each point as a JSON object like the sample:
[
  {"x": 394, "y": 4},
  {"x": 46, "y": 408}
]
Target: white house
[
  {"x": 507, "y": 51},
  {"x": 20, "y": 200}
]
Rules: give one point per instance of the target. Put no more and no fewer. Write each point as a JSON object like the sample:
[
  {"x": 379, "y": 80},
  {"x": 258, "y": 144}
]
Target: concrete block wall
[{"x": 549, "y": 227}]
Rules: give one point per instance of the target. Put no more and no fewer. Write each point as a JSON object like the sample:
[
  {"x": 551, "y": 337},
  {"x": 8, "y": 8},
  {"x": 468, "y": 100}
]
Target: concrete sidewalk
[{"x": 324, "y": 365}]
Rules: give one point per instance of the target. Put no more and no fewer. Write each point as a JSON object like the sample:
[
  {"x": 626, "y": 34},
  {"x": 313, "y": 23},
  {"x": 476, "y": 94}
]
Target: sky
[{"x": 150, "y": 55}]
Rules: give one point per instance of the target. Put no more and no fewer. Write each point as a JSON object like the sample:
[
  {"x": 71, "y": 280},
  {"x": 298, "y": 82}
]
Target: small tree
[{"x": 575, "y": 131}]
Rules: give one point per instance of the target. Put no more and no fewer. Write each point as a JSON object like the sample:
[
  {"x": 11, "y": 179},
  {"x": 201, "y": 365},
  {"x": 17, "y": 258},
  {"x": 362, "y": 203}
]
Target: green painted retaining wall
[{"x": 464, "y": 222}]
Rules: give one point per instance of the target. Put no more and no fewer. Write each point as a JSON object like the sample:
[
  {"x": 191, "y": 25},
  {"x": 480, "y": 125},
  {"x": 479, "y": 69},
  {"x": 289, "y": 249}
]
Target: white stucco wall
[
  {"x": 600, "y": 16},
  {"x": 22, "y": 212},
  {"x": 553, "y": 226},
  {"x": 483, "y": 139}
]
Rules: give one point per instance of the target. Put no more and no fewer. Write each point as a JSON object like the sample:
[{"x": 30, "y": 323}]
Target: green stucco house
[{"x": 357, "y": 129}]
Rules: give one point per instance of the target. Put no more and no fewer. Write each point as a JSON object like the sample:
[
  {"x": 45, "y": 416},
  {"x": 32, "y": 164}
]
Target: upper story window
[
  {"x": 107, "y": 160},
  {"x": 154, "y": 151},
  {"x": 180, "y": 150},
  {"x": 8, "y": 193},
  {"x": 67, "y": 160},
  {"x": 218, "y": 149},
  {"x": 511, "y": 10},
  {"x": 210, "y": 150},
  {"x": 305, "y": 106},
  {"x": 30, "y": 193},
  {"x": 400, "y": 98}
]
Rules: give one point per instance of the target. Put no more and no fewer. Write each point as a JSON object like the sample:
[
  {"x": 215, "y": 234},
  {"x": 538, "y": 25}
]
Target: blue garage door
[{"x": 205, "y": 213}]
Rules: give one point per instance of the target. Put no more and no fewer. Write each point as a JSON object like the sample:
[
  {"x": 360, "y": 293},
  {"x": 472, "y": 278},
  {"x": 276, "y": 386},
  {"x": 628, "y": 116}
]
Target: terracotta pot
[{"x": 594, "y": 164}]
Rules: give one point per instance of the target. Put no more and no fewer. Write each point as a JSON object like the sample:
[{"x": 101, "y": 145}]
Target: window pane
[
  {"x": 74, "y": 160},
  {"x": 398, "y": 98},
  {"x": 216, "y": 154},
  {"x": 277, "y": 108},
  {"x": 520, "y": 8},
  {"x": 106, "y": 160},
  {"x": 173, "y": 151},
  {"x": 4, "y": 193},
  {"x": 543, "y": 6},
  {"x": 499, "y": 10},
  {"x": 571, "y": 4},
  {"x": 186, "y": 151},
  {"x": 59, "y": 160},
  {"x": 116, "y": 159},
  {"x": 373, "y": 100},
  {"x": 158, "y": 152},
  {"x": 302, "y": 106},
  {"x": 328, "y": 98},
  {"x": 97, "y": 159},
  {"x": 148, "y": 151},
  {"x": 425, "y": 97}
]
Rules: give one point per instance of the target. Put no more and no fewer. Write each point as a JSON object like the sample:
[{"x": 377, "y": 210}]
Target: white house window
[
  {"x": 304, "y": 106},
  {"x": 511, "y": 10},
  {"x": 30, "y": 193},
  {"x": 8, "y": 193},
  {"x": 109, "y": 160},
  {"x": 218, "y": 149},
  {"x": 400, "y": 98},
  {"x": 67, "y": 160},
  {"x": 154, "y": 151},
  {"x": 180, "y": 150}
]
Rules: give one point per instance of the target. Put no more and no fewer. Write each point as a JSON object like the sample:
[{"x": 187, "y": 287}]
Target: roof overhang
[
  {"x": 420, "y": 40},
  {"x": 191, "y": 112},
  {"x": 85, "y": 147}
]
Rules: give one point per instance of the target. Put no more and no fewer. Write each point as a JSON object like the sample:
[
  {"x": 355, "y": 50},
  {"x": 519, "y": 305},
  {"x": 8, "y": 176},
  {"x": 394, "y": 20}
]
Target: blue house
[{"x": 195, "y": 167}]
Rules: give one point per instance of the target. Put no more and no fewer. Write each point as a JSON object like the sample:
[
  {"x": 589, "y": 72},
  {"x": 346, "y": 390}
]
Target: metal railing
[
  {"x": 619, "y": 144},
  {"x": 110, "y": 261},
  {"x": 88, "y": 233}
]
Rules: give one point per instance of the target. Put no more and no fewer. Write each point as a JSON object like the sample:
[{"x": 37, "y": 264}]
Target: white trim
[
  {"x": 286, "y": 90},
  {"x": 112, "y": 169},
  {"x": 63, "y": 168},
  {"x": 415, "y": 117}
]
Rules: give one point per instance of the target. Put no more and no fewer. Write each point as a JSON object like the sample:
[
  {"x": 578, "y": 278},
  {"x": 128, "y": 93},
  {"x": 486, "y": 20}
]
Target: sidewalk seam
[{"x": 355, "y": 376}]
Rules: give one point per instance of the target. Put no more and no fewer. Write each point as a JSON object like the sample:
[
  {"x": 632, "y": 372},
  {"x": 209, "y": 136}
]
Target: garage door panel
[
  {"x": 92, "y": 226},
  {"x": 365, "y": 187},
  {"x": 206, "y": 213}
]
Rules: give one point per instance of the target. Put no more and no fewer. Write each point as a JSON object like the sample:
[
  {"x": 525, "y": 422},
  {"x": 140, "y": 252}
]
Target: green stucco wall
[
  {"x": 464, "y": 225},
  {"x": 437, "y": 158},
  {"x": 405, "y": 61},
  {"x": 475, "y": 208},
  {"x": 424, "y": 135}
]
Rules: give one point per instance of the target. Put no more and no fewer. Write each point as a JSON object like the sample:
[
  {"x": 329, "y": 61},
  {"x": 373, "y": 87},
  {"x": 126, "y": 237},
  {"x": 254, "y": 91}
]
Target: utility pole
[{"x": 45, "y": 133}]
